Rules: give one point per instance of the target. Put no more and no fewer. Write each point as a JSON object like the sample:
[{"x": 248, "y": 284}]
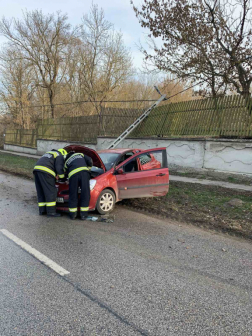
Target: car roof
[{"x": 117, "y": 150}]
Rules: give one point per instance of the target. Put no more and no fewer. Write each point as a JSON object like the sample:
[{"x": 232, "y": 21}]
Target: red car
[{"x": 118, "y": 174}]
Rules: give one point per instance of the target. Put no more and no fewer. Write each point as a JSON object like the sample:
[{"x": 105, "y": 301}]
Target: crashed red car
[{"x": 119, "y": 174}]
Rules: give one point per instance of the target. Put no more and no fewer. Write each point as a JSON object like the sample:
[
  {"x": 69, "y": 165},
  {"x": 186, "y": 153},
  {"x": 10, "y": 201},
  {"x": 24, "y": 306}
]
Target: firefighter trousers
[
  {"x": 46, "y": 192},
  {"x": 80, "y": 179}
]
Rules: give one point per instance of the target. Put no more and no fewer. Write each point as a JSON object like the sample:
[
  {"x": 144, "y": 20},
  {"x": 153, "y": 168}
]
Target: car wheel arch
[
  {"x": 99, "y": 207},
  {"x": 109, "y": 188}
]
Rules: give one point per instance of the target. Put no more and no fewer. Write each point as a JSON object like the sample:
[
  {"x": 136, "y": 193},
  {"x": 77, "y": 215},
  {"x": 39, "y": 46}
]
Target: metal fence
[{"x": 228, "y": 116}]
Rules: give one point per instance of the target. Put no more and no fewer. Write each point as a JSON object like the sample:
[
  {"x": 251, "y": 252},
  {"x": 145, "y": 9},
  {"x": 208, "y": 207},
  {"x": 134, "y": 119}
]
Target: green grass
[
  {"x": 232, "y": 179},
  {"x": 236, "y": 179},
  {"x": 211, "y": 198},
  {"x": 17, "y": 164}
]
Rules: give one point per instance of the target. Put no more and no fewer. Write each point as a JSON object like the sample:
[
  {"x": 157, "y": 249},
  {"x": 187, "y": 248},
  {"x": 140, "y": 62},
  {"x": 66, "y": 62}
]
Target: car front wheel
[{"x": 105, "y": 202}]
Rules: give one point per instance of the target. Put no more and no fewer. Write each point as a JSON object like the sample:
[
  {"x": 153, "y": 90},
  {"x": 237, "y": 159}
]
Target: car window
[
  {"x": 125, "y": 157},
  {"x": 109, "y": 159},
  {"x": 159, "y": 159},
  {"x": 145, "y": 158},
  {"x": 131, "y": 166},
  {"x": 148, "y": 161}
]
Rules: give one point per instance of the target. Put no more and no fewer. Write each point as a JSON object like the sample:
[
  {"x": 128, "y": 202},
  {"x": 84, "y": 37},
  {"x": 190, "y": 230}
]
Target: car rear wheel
[{"x": 105, "y": 202}]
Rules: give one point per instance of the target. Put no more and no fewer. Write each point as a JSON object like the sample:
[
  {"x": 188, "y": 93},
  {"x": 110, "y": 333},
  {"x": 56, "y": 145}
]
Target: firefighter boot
[
  {"x": 84, "y": 215},
  {"x": 53, "y": 214},
  {"x": 42, "y": 212},
  {"x": 73, "y": 215}
]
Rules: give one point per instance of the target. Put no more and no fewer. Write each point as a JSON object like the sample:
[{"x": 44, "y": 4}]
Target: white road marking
[{"x": 41, "y": 257}]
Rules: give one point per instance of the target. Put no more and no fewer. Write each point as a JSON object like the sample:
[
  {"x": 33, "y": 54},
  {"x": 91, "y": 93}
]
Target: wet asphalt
[{"x": 136, "y": 276}]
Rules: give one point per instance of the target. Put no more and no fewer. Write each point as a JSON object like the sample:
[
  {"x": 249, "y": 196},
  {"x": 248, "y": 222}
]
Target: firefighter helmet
[{"x": 63, "y": 152}]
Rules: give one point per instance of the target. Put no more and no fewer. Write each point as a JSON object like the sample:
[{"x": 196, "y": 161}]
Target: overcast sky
[{"x": 118, "y": 12}]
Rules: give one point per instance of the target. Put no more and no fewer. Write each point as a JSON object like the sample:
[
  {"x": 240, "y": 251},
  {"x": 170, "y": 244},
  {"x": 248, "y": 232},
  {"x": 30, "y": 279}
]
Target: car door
[{"x": 140, "y": 177}]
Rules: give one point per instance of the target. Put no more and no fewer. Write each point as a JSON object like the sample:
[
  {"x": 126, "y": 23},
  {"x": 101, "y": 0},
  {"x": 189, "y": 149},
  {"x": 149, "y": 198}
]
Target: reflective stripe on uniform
[
  {"x": 71, "y": 157},
  {"x": 41, "y": 204},
  {"x": 73, "y": 209},
  {"x": 45, "y": 169},
  {"x": 77, "y": 170},
  {"x": 55, "y": 154},
  {"x": 51, "y": 204},
  {"x": 84, "y": 209},
  {"x": 62, "y": 176}
]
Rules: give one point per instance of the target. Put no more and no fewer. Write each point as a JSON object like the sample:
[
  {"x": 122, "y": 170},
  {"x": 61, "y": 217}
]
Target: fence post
[
  {"x": 100, "y": 121},
  {"x": 159, "y": 134},
  {"x": 248, "y": 105},
  {"x": 222, "y": 102},
  {"x": 218, "y": 116}
]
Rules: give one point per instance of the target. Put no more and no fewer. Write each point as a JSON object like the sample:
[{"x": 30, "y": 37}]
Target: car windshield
[{"x": 109, "y": 159}]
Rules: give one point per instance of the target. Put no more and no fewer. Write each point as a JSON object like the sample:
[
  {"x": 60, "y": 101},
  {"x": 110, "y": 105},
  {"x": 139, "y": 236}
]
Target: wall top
[{"x": 183, "y": 139}]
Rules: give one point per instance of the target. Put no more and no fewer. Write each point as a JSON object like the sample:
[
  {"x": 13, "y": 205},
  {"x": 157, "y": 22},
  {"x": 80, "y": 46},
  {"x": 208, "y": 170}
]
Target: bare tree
[
  {"x": 104, "y": 61},
  {"x": 17, "y": 87},
  {"x": 201, "y": 40},
  {"x": 42, "y": 41}
]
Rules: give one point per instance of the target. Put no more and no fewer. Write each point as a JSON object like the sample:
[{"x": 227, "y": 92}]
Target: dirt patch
[{"x": 204, "y": 206}]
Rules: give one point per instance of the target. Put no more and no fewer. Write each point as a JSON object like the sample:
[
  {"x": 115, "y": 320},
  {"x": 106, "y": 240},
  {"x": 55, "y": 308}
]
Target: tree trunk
[{"x": 51, "y": 98}]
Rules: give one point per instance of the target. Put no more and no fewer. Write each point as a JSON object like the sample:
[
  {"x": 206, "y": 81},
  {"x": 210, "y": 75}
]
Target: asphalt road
[{"x": 136, "y": 276}]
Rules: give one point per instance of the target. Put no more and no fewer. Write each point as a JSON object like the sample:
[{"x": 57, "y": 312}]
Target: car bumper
[{"x": 64, "y": 207}]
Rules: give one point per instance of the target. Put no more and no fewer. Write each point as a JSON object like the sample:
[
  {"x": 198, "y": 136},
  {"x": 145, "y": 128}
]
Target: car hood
[{"x": 97, "y": 161}]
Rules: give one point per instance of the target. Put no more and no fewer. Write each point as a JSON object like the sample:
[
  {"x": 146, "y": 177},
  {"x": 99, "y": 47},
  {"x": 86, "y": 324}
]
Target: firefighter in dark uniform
[
  {"x": 48, "y": 167},
  {"x": 77, "y": 167}
]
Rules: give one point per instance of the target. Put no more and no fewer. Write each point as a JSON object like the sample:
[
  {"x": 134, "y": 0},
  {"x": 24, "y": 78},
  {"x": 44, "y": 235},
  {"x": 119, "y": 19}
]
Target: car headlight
[{"x": 92, "y": 184}]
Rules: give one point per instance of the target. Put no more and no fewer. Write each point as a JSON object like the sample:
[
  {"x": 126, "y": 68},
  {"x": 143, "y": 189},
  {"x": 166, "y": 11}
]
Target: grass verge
[
  {"x": 18, "y": 165},
  {"x": 215, "y": 176},
  {"x": 203, "y": 206}
]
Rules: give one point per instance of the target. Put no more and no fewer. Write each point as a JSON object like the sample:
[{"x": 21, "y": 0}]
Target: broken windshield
[{"x": 109, "y": 159}]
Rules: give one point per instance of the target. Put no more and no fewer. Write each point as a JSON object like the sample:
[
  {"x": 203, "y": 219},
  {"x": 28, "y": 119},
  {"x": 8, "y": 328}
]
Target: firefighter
[
  {"x": 49, "y": 167},
  {"x": 77, "y": 168}
]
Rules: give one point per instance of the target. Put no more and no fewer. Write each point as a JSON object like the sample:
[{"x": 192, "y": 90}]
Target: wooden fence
[
  {"x": 229, "y": 116},
  {"x": 21, "y": 137},
  {"x": 80, "y": 129}
]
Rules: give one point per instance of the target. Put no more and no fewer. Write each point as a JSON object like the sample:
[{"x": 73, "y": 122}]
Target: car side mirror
[{"x": 120, "y": 171}]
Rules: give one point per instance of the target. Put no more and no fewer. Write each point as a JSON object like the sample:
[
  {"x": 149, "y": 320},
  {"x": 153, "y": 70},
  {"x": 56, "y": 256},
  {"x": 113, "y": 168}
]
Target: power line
[
  {"x": 95, "y": 101},
  {"x": 118, "y": 101},
  {"x": 190, "y": 87}
]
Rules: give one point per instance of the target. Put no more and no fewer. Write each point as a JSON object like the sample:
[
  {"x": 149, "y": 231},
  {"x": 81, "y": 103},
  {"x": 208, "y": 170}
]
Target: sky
[{"x": 118, "y": 12}]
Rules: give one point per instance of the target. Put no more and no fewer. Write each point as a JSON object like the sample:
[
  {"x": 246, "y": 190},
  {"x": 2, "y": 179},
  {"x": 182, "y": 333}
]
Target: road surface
[{"x": 136, "y": 276}]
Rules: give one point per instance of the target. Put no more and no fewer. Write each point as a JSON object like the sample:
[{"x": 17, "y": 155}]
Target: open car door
[{"x": 145, "y": 174}]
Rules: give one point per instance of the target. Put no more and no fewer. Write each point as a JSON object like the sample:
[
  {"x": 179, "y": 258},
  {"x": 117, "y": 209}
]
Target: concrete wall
[
  {"x": 20, "y": 149},
  {"x": 227, "y": 156},
  {"x": 220, "y": 155},
  {"x": 47, "y": 145},
  {"x": 180, "y": 153}
]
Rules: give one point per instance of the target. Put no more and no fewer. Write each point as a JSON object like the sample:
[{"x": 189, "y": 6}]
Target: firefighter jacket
[
  {"x": 76, "y": 163},
  {"x": 52, "y": 163}
]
